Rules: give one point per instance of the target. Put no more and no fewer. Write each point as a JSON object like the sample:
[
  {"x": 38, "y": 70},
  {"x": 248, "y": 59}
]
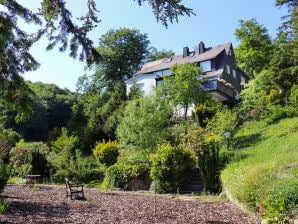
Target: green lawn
[{"x": 265, "y": 180}]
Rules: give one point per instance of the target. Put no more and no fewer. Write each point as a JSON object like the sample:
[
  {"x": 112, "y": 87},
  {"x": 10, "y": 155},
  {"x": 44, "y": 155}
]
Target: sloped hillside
[{"x": 264, "y": 175}]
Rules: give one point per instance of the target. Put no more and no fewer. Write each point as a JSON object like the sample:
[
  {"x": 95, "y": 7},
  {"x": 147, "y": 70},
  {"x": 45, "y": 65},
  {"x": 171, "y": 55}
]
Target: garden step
[{"x": 195, "y": 185}]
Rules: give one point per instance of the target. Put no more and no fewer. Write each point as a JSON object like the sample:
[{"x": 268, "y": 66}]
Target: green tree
[
  {"x": 60, "y": 29},
  {"x": 255, "y": 49},
  {"x": 154, "y": 54},
  {"x": 103, "y": 95},
  {"x": 123, "y": 51},
  {"x": 144, "y": 125},
  {"x": 184, "y": 86},
  {"x": 51, "y": 108}
]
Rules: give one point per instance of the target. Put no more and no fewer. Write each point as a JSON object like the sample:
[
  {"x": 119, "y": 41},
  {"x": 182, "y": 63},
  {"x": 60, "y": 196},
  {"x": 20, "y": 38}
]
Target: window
[
  {"x": 206, "y": 66},
  {"x": 243, "y": 80},
  {"x": 159, "y": 82},
  {"x": 166, "y": 72},
  {"x": 234, "y": 74},
  {"x": 228, "y": 69},
  {"x": 140, "y": 86}
]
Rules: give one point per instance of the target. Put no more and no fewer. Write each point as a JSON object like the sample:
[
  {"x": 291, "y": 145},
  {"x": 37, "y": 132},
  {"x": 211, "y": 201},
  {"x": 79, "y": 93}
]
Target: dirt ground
[{"x": 47, "y": 204}]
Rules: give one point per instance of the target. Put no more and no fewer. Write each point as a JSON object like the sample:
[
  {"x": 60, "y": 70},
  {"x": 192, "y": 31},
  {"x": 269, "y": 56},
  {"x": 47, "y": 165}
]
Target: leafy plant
[
  {"x": 120, "y": 174},
  {"x": 4, "y": 206},
  {"x": 106, "y": 152},
  {"x": 209, "y": 165},
  {"x": 4, "y": 174},
  {"x": 171, "y": 167},
  {"x": 280, "y": 202}
]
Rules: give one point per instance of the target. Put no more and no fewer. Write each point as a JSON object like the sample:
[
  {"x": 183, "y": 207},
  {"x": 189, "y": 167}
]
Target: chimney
[
  {"x": 201, "y": 47},
  {"x": 185, "y": 51}
]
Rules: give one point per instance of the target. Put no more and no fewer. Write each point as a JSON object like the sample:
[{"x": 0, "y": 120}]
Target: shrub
[
  {"x": 80, "y": 169},
  {"x": 281, "y": 201},
  {"x": 4, "y": 174},
  {"x": 171, "y": 167},
  {"x": 38, "y": 161},
  {"x": 106, "y": 152},
  {"x": 120, "y": 174},
  {"x": 31, "y": 153},
  {"x": 209, "y": 165},
  {"x": 277, "y": 112}
]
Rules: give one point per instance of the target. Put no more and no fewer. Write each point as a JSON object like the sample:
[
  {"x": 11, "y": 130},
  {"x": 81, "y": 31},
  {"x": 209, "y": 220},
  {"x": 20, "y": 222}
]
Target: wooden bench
[
  {"x": 74, "y": 189},
  {"x": 32, "y": 179}
]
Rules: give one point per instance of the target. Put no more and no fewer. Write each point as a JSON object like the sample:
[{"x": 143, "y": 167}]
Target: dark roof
[{"x": 166, "y": 63}]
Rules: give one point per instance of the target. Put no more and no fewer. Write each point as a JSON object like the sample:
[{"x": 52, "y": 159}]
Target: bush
[
  {"x": 31, "y": 153},
  {"x": 120, "y": 174},
  {"x": 80, "y": 169},
  {"x": 38, "y": 161},
  {"x": 209, "y": 165},
  {"x": 275, "y": 113},
  {"x": 281, "y": 201},
  {"x": 171, "y": 167},
  {"x": 106, "y": 152},
  {"x": 4, "y": 174}
]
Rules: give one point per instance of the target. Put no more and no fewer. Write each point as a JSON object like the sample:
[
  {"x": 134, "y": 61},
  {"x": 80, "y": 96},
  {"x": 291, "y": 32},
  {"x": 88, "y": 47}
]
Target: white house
[{"x": 224, "y": 78}]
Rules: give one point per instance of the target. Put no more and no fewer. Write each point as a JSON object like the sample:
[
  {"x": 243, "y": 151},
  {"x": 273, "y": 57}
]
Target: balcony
[{"x": 221, "y": 91}]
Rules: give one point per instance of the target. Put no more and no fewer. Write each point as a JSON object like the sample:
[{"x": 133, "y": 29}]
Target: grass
[
  {"x": 4, "y": 206},
  {"x": 269, "y": 167}
]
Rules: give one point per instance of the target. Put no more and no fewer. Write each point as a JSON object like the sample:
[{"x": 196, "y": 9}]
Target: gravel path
[{"x": 48, "y": 205}]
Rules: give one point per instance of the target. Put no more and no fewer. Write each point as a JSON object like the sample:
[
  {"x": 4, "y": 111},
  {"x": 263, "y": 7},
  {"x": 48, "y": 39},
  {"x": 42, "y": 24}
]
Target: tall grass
[{"x": 269, "y": 167}]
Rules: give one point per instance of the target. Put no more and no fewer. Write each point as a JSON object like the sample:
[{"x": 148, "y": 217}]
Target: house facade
[{"x": 224, "y": 79}]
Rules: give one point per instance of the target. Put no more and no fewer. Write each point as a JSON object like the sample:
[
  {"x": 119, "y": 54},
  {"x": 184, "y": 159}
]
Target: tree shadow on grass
[{"x": 246, "y": 141}]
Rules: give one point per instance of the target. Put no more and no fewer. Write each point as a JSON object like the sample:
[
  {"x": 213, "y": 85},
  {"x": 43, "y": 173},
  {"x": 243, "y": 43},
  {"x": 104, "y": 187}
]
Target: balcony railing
[{"x": 221, "y": 88}]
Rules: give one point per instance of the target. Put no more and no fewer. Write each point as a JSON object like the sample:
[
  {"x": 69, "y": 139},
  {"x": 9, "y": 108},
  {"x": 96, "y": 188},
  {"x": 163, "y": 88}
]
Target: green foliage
[
  {"x": 18, "y": 154},
  {"x": 29, "y": 157},
  {"x": 209, "y": 164},
  {"x": 184, "y": 86},
  {"x": 120, "y": 174},
  {"x": 106, "y": 152},
  {"x": 122, "y": 51},
  {"x": 224, "y": 120},
  {"x": 205, "y": 111},
  {"x": 265, "y": 178},
  {"x": 281, "y": 201},
  {"x": 277, "y": 112},
  {"x": 62, "y": 153},
  {"x": 79, "y": 169},
  {"x": 144, "y": 124},
  {"x": 171, "y": 167},
  {"x": 21, "y": 171},
  {"x": 65, "y": 143},
  {"x": 154, "y": 54},
  {"x": 255, "y": 49},
  {"x": 4, "y": 174},
  {"x": 38, "y": 162},
  {"x": 4, "y": 206}
]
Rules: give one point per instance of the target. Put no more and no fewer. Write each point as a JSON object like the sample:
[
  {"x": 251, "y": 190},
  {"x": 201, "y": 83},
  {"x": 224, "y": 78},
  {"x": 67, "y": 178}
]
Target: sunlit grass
[{"x": 270, "y": 162}]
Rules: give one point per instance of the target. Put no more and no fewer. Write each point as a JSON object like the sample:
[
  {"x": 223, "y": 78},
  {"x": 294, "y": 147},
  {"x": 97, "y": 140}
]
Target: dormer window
[
  {"x": 206, "y": 66},
  {"x": 168, "y": 60}
]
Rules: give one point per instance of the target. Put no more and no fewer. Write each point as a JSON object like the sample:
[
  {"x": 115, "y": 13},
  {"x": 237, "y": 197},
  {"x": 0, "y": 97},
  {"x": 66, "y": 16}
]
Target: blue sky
[{"x": 215, "y": 23}]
